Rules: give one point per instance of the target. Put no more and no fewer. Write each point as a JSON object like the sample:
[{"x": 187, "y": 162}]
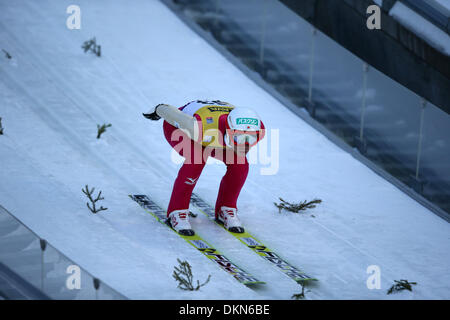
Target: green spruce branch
[
  {"x": 91, "y": 45},
  {"x": 101, "y": 129},
  {"x": 301, "y": 295},
  {"x": 296, "y": 207},
  {"x": 8, "y": 56},
  {"x": 89, "y": 193},
  {"x": 183, "y": 275},
  {"x": 401, "y": 285}
]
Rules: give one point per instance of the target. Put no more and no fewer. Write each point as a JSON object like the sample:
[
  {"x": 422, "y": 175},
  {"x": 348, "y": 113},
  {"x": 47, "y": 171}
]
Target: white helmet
[{"x": 243, "y": 127}]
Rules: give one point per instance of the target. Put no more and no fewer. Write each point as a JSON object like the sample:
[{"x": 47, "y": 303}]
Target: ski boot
[
  {"x": 228, "y": 216},
  {"x": 179, "y": 221}
]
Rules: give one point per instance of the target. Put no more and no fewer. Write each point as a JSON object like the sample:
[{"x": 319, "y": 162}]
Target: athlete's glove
[{"x": 152, "y": 115}]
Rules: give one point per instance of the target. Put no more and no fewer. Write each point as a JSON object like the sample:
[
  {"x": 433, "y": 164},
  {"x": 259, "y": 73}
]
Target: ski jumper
[{"x": 211, "y": 117}]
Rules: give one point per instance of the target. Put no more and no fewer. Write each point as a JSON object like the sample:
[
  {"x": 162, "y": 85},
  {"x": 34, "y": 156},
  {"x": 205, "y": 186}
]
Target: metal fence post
[
  {"x": 311, "y": 64},
  {"x": 263, "y": 35},
  {"x": 96, "y": 287},
  {"x": 363, "y": 103},
  {"x": 216, "y": 14},
  {"x": 419, "y": 147},
  {"x": 360, "y": 142},
  {"x": 43, "y": 244},
  {"x": 309, "y": 103},
  {"x": 417, "y": 183}
]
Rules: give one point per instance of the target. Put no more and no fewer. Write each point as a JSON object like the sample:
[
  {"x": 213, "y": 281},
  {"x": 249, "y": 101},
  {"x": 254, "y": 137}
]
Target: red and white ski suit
[{"x": 209, "y": 115}]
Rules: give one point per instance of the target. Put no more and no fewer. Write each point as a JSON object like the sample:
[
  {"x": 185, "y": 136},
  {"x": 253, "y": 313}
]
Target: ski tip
[
  {"x": 305, "y": 280},
  {"x": 236, "y": 229},
  {"x": 192, "y": 214},
  {"x": 254, "y": 283},
  {"x": 187, "y": 232}
]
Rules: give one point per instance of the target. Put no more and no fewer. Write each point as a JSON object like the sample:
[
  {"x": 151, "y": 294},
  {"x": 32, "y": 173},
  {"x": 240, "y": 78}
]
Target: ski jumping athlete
[{"x": 208, "y": 128}]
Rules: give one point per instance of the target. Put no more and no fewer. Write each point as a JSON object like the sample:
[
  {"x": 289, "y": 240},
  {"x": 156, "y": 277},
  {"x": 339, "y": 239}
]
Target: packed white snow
[
  {"x": 423, "y": 28},
  {"x": 53, "y": 95}
]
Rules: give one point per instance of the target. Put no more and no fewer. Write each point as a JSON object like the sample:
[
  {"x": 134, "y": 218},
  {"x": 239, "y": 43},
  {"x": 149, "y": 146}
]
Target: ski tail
[{"x": 255, "y": 245}]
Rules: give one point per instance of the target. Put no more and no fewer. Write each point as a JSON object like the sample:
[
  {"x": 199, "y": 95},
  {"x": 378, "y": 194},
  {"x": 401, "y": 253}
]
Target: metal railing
[
  {"x": 43, "y": 267},
  {"x": 389, "y": 124},
  {"x": 432, "y": 11}
]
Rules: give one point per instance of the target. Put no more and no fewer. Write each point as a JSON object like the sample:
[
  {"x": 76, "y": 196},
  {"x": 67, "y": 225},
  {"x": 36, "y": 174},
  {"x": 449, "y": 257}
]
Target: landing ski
[
  {"x": 199, "y": 243},
  {"x": 255, "y": 245}
]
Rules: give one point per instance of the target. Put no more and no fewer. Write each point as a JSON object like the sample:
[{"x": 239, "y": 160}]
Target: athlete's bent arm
[{"x": 177, "y": 118}]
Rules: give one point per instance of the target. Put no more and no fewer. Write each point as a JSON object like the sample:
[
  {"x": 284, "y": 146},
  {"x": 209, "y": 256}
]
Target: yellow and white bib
[{"x": 208, "y": 114}]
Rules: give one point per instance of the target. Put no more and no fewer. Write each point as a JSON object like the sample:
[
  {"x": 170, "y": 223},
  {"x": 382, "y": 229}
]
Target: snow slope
[{"x": 52, "y": 96}]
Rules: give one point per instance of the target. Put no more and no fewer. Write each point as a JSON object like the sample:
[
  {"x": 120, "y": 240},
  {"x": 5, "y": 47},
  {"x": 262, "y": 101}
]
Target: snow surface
[
  {"x": 422, "y": 27},
  {"x": 52, "y": 96}
]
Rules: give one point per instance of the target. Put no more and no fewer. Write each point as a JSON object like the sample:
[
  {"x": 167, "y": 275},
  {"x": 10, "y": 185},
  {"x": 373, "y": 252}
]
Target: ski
[
  {"x": 199, "y": 243},
  {"x": 254, "y": 244}
]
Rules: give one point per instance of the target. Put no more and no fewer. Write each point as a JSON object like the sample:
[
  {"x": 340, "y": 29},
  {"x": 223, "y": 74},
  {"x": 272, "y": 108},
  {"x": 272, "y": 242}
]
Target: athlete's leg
[
  {"x": 190, "y": 170},
  {"x": 233, "y": 180}
]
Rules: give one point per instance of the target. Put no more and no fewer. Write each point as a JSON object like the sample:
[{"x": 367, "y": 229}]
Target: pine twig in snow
[
  {"x": 296, "y": 207},
  {"x": 101, "y": 129},
  {"x": 401, "y": 285},
  {"x": 8, "y": 56},
  {"x": 89, "y": 193},
  {"x": 183, "y": 274},
  {"x": 301, "y": 295},
  {"x": 91, "y": 45}
]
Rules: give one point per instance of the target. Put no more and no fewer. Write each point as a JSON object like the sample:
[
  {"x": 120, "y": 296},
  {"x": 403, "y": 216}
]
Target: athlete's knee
[
  {"x": 238, "y": 171},
  {"x": 189, "y": 173},
  {"x": 241, "y": 167}
]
